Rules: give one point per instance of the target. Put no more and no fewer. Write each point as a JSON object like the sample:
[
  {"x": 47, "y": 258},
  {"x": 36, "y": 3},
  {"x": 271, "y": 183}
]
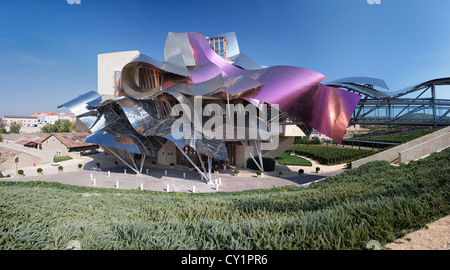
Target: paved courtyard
[{"x": 179, "y": 179}]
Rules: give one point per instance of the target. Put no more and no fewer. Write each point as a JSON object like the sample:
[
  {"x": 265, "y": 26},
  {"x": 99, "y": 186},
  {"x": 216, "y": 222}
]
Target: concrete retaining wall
[
  {"x": 424, "y": 149},
  {"x": 392, "y": 155}
]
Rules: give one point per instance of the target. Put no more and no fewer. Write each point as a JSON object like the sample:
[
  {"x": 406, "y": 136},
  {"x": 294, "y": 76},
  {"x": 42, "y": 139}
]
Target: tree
[
  {"x": 73, "y": 126},
  {"x": 2, "y": 127},
  {"x": 14, "y": 127},
  {"x": 58, "y": 126}
]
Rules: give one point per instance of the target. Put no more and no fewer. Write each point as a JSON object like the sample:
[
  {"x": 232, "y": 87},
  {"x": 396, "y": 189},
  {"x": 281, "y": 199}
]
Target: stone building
[
  {"x": 67, "y": 144},
  {"x": 15, "y": 156}
]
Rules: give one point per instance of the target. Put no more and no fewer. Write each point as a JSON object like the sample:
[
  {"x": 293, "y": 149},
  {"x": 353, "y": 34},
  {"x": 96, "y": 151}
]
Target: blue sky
[{"x": 48, "y": 49}]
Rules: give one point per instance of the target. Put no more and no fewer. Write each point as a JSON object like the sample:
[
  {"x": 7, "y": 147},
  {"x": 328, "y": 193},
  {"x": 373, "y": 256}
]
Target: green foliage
[
  {"x": 39, "y": 170},
  {"x": 172, "y": 164},
  {"x": 268, "y": 163},
  {"x": 80, "y": 166},
  {"x": 317, "y": 169},
  {"x": 287, "y": 159},
  {"x": 61, "y": 158},
  {"x": 304, "y": 140},
  {"x": 59, "y": 126},
  {"x": 2, "y": 128},
  {"x": 1, "y": 138},
  {"x": 14, "y": 127},
  {"x": 258, "y": 172},
  {"x": 399, "y": 137},
  {"x": 376, "y": 201},
  {"x": 301, "y": 171},
  {"x": 97, "y": 164},
  {"x": 236, "y": 171},
  {"x": 330, "y": 155},
  {"x": 20, "y": 172},
  {"x": 60, "y": 168}
]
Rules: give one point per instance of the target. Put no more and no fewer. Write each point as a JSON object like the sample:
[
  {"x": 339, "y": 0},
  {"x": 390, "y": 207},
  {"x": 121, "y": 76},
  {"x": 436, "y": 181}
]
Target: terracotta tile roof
[
  {"x": 72, "y": 139},
  {"x": 6, "y": 154},
  {"x": 35, "y": 137},
  {"x": 21, "y": 117}
]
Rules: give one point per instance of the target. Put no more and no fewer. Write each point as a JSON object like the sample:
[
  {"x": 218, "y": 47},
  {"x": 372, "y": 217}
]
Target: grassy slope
[{"x": 376, "y": 201}]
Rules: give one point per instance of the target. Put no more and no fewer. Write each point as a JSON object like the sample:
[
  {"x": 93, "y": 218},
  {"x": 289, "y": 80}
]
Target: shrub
[
  {"x": 97, "y": 164},
  {"x": 216, "y": 169},
  {"x": 20, "y": 172},
  {"x": 258, "y": 172},
  {"x": 236, "y": 171},
  {"x": 317, "y": 169},
  {"x": 268, "y": 164},
  {"x": 60, "y": 168},
  {"x": 39, "y": 170},
  {"x": 172, "y": 164},
  {"x": 80, "y": 166},
  {"x": 153, "y": 162},
  {"x": 301, "y": 171}
]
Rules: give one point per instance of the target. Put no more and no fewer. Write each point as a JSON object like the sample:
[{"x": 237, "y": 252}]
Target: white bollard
[
  {"x": 168, "y": 188},
  {"x": 220, "y": 181},
  {"x": 109, "y": 174},
  {"x": 124, "y": 171},
  {"x": 224, "y": 167},
  {"x": 184, "y": 175},
  {"x": 117, "y": 184},
  {"x": 142, "y": 186},
  {"x": 94, "y": 181},
  {"x": 217, "y": 187},
  {"x": 146, "y": 171},
  {"x": 193, "y": 189},
  {"x": 92, "y": 177},
  {"x": 165, "y": 172}
]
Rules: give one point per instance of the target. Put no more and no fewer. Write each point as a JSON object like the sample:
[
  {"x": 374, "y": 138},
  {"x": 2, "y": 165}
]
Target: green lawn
[
  {"x": 376, "y": 201},
  {"x": 287, "y": 159},
  {"x": 61, "y": 158}
]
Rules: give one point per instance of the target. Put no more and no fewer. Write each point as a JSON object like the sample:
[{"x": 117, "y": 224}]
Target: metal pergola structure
[{"x": 417, "y": 105}]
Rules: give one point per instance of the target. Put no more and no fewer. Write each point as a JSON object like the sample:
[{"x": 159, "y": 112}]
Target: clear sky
[{"x": 48, "y": 48}]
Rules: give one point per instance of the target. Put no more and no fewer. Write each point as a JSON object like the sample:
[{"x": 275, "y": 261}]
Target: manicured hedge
[{"x": 330, "y": 155}]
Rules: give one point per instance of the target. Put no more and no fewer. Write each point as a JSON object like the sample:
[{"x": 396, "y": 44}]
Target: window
[
  {"x": 219, "y": 45},
  {"x": 150, "y": 77}
]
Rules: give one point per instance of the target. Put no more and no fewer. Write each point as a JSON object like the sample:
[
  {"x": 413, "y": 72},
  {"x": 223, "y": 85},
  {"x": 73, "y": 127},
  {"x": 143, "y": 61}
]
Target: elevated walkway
[{"x": 412, "y": 150}]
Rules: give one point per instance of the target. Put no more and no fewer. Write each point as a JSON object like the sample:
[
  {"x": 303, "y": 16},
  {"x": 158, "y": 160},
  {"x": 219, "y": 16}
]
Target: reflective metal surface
[{"x": 134, "y": 122}]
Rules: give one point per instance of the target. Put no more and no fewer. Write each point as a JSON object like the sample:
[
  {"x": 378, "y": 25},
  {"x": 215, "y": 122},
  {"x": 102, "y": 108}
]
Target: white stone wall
[
  {"x": 167, "y": 154},
  {"x": 108, "y": 63},
  {"x": 25, "y": 160},
  {"x": 55, "y": 146}
]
